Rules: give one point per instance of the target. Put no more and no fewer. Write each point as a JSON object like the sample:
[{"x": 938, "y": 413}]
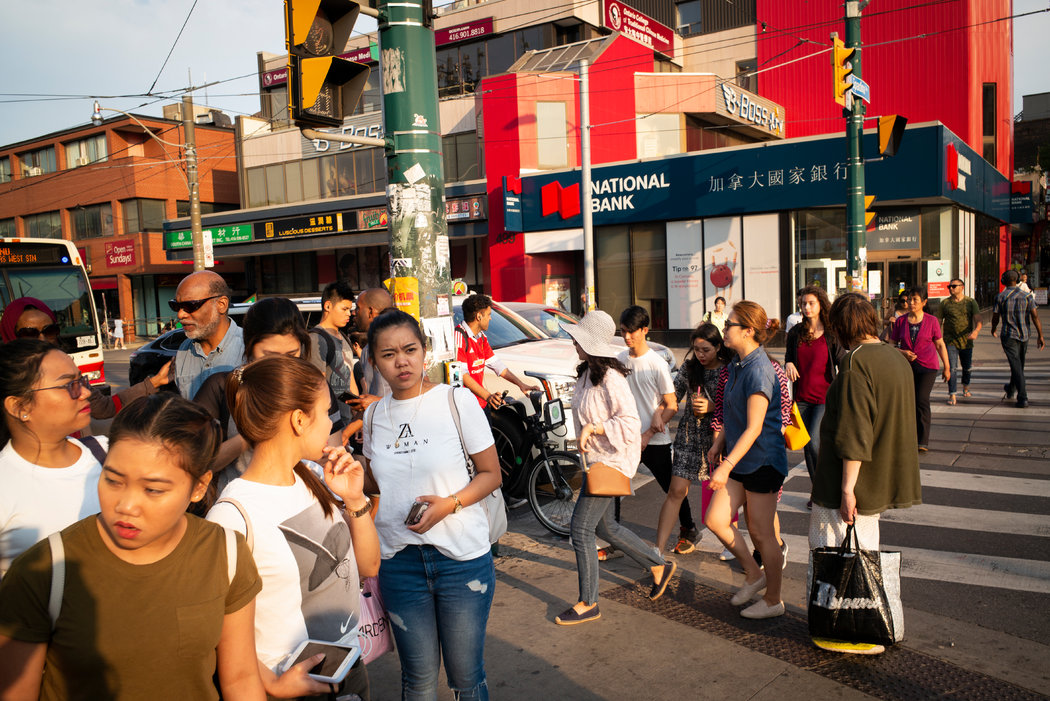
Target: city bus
[{"x": 51, "y": 271}]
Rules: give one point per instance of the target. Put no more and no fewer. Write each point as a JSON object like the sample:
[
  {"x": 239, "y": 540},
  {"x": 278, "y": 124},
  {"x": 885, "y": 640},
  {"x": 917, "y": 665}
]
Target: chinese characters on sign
[
  {"x": 220, "y": 235},
  {"x": 795, "y": 175},
  {"x": 468, "y": 208},
  {"x": 638, "y": 27},
  {"x": 299, "y": 226},
  {"x": 896, "y": 230}
]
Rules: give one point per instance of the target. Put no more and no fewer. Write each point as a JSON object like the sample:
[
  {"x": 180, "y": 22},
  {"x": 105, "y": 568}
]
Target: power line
[{"x": 173, "y": 45}]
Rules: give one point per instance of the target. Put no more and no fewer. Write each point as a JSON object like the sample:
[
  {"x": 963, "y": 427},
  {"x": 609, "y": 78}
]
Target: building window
[
  {"x": 659, "y": 135},
  {"x": 38, "y": 162},
  {"x": 7, "y": 228},
  {"x": 552, "y": 137},
  {"x": 5, "y": 170},
  {"x": 689, "y": 18},
  {"x": 988, "y": 104},
  {"x": 143, "y": 215},
  {"x": 43, "y": 226},
  {"x": 86, "y": 151},
  {"x": 92, "y": 222},
  {"x": 463, "y": 160},
  {"x": 745, "y": 74}
]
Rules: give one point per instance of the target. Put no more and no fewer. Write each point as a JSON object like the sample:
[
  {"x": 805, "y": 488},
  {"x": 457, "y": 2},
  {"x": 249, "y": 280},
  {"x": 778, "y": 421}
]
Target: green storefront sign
[{"x": 220, "y": 235}]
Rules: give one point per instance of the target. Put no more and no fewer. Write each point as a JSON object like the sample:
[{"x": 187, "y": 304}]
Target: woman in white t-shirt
[
  {"x": 312, "y": 540},
  {"x": 437, "y": 576},
  {"x": 47, "y": 479}
]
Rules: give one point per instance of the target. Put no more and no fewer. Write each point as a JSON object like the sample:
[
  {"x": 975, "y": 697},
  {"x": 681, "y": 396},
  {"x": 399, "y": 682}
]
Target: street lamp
[{"x": 196, "y": 233}]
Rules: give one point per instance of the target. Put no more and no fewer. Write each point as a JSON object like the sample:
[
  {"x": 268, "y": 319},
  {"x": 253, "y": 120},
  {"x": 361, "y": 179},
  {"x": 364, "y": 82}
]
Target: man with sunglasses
[
  {"x": 214, "y": 342},
  {"x": 961, "y": 323}
]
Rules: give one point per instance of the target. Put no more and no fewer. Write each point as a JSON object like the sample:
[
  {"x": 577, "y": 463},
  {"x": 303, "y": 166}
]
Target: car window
[
  {"x": 504, "y": 330},
  {"x": 549, "y": 320},
  {"x": 173, "y": 340}
]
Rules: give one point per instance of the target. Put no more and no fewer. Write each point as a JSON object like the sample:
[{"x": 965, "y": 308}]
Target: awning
[{"x": 104, "y": 283}]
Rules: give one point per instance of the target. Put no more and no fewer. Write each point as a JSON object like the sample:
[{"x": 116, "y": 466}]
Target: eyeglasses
[
  {"x": 30, "y": 332},
  {"x": 73, "y": 387},
  {"x": 190, "y": 305},
  {"x": 735, "y": 323}
]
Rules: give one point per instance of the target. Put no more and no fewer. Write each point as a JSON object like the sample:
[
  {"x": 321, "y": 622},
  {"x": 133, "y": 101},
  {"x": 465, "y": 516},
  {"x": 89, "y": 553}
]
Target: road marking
[{"x": 944, "y": 479}]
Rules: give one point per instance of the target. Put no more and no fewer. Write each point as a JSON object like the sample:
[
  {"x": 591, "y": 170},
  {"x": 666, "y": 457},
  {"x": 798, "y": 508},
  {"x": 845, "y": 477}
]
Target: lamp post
[{"x": 196, "y": 233}]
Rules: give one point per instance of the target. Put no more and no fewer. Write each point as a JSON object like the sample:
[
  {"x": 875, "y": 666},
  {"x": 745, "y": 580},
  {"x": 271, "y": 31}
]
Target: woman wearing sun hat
[{"x": 609, "y": 432}]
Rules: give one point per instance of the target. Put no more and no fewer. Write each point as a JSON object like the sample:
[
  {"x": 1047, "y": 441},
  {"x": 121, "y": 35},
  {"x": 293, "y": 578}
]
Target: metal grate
[{"x": 899, "y": 673}]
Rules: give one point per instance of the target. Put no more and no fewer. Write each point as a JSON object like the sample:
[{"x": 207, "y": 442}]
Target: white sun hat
[{"x": 594, "y": 333}]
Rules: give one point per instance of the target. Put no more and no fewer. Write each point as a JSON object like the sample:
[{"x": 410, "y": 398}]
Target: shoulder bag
[{"x": 493, "y": 504}]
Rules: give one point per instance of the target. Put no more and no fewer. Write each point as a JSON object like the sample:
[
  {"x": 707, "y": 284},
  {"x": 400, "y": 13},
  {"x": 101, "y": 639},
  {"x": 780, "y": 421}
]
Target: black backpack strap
[
  {"x": 326, "y": 342},
  {"x": 92, "y": 444}
]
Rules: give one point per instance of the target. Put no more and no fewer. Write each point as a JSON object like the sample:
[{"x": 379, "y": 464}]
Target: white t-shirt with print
[
  {"x": 37, "y": 501},
  {"x": 649, "y": 380},
  {"x": 311, "y": 587},
  {"x": 414, "y": 450}
]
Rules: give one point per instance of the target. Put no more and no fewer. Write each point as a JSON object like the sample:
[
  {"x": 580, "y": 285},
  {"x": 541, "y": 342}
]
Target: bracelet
[
  {"x": 728, "y": 461},
  {"x": 362, "y": 511}
]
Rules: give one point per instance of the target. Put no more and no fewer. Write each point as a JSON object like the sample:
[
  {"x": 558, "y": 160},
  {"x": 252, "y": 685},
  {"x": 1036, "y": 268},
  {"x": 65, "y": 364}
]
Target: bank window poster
[
  {"x": 722, "y": 261},
  {"x": 761, "y": 261},
  {"x": 685, "y": 274}
]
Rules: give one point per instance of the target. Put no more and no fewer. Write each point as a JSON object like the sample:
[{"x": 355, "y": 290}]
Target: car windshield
[
  {"x": 504, "y": 330},
  {"x": 549, "y": 320}
]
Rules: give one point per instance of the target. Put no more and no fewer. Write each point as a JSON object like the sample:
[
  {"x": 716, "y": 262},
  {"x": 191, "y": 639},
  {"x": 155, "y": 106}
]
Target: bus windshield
[{"x": 65, "y": 291}]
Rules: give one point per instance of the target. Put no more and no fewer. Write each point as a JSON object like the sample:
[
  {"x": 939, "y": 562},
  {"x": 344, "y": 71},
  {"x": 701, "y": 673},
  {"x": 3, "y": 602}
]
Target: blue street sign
[{"x": 860, "y": 88}]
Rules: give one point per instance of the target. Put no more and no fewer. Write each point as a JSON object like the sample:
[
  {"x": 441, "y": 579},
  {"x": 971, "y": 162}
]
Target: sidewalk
[{"x": 691, "y": 644}]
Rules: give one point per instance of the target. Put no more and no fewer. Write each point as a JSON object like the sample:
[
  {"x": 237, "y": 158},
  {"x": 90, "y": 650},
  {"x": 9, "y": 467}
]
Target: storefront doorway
[{"x": 887, "y": 279}]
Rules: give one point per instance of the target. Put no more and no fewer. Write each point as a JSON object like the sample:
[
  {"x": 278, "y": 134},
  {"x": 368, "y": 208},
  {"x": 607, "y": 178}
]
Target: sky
[{"x": 109, "y": 48}]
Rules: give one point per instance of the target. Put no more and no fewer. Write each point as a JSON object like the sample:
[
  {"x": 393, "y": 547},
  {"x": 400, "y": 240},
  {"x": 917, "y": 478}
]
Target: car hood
[{"x": 551, "y": 356}]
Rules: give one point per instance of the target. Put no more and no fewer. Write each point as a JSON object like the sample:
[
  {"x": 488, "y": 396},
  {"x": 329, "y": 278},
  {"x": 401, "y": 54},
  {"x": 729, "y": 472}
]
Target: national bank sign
[{"x": 776, "y": 176}]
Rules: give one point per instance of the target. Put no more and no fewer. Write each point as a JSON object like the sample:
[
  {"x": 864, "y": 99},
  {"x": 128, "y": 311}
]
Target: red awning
[{"x": 104, "y": 283}]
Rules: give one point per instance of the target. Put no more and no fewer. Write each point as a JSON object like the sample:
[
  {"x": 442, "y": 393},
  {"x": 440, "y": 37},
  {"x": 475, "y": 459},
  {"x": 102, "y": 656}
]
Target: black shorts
[{"x": 765, "y": 480}]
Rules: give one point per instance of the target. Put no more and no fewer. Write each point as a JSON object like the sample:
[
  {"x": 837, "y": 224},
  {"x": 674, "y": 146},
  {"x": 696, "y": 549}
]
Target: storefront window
[
  {"x": 937, "y": 233},
  {"x": 289, "y": 273},
  {"x": 633, "y": 270},
  {"x": 821, "y": 252}
]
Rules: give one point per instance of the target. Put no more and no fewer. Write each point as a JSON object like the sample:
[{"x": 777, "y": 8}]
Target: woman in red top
[
  {"x": 811, "y": 363},
  {"x": 918, "y": 337}
]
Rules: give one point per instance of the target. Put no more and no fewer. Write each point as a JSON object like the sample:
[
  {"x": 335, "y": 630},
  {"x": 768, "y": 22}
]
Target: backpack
[{"x": 324, "y": 343}]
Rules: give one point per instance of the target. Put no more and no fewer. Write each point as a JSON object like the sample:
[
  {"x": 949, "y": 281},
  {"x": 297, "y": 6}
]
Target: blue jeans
[
  {"x": 954, "y": 356},
  {"x": 593, "y": 517},
  {"x": 439, "y": 606},
  {"x": 1015, "y": 351},
  {"x": 812, "y": 415}
]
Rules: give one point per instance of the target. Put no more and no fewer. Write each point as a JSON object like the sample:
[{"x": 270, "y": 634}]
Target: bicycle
[{"x": 549, "y": 479}]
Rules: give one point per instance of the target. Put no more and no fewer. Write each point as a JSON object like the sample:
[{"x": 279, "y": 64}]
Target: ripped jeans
[{"x": 438, "y": 606}]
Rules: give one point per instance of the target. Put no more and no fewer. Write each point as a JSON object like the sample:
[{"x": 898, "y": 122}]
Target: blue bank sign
[{"x": 771, "y": 177}]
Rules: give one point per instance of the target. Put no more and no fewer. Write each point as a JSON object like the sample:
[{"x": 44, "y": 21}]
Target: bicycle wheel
[
  {"x": 554, "y": 487},
  {"x": 508, "y": 439}
]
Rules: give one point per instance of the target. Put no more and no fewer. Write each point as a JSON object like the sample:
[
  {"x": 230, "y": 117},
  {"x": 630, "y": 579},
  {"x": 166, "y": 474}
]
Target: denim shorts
[{"x": 765, "y": 480}]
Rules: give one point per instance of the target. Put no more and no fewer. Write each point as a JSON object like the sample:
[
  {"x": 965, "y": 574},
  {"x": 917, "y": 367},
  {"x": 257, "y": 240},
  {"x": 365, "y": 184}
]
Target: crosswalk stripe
[{"x": 944, "y": 479}]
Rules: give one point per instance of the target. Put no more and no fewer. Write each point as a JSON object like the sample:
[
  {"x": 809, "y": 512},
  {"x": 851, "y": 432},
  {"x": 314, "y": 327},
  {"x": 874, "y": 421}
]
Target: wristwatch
[
  {"x": 362, "y": 511},
  {"x": 459, "y": 504}
]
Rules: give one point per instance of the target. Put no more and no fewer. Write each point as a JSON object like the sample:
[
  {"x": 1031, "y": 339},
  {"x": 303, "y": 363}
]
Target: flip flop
[
  {"x": 951, "y": 400},
  {"x": 966, "y": 393}
]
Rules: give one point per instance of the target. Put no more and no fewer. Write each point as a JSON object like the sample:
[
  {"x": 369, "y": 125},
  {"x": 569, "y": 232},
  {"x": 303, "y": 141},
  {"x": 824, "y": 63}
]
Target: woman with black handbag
[{"x": 609, "y": 434}]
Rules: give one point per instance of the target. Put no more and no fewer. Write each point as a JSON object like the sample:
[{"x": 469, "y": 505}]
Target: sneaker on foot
[
  {"x": 516, "y": 503},
  {"x": 608, "y": 553},
  {"x": 760, "y": 609},
  {"x": 686, "y": 541},
  {"x": 726, "y": 555}
]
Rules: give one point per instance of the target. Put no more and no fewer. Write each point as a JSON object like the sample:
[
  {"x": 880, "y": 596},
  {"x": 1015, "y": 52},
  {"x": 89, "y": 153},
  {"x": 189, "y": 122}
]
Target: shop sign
[
  {"x": 299, "y": 226},
  {"x": 372, "y": 218},
  {"x": 278, "y": 76},
  {"x": 369, "y": 124},
  {"x": 220, "y": 236},
  {"x": 1022, "y": 206},
  {"x": 938, "y": 275},
  {"x": 462, "y": 32},
  {"x": 895, "y": 230},
  {"x": 750, "y": 109},
  {"x": 511, "y": 203},
  {"x": 638, "y": 27},
  {"x": 120, "y": 253},
  {"x": 464, "y": 208}
]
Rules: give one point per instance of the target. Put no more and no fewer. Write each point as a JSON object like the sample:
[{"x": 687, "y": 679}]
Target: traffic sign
[{"x": 860, "y": 88}]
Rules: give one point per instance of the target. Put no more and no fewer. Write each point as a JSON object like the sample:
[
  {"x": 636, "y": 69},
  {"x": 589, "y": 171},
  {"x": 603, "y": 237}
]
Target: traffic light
[
  {"x": 891, "y": 129},
  {"x": 843, "y": 67},
  {"x": 323, "y": 88},
  {"x": 869, "y": 216}
]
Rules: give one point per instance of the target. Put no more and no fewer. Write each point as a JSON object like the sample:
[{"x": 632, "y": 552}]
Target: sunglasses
[
  {"x": 30, "y": 332},
  {"x": 73, "y": 387},
  {"x": 735, "y": 323},
  {"x": 951, "y": 286},
  {"x": 190, "y": 305}
]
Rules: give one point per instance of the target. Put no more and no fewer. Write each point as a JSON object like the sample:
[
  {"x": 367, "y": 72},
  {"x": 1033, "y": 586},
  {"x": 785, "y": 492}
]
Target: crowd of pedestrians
[{"x": 293, "y": 463}]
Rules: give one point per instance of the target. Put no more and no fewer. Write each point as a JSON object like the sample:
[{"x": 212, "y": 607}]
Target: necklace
[{"x": 386, "y": 408}]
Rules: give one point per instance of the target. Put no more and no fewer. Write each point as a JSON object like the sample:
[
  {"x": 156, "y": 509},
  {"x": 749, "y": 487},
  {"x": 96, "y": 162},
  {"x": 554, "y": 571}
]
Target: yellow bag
[{"x": 796, "y": 436}]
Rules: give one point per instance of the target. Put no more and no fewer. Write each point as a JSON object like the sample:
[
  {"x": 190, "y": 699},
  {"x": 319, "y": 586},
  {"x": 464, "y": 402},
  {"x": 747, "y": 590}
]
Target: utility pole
[
  {"x": 589, "y": 301},
  {"x": 196, "y": 233},
  {"x": 419, "y": 246},
  {"x": 856, "y": 239}
]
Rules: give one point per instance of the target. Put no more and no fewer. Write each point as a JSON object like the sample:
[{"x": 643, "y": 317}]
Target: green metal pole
[
  {"x": 419, "y": 246},
  {"x": 856, "y": 239}
]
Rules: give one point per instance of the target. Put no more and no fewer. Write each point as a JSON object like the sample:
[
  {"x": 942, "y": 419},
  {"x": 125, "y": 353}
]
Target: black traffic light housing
[{"x": 323, "y": 88}]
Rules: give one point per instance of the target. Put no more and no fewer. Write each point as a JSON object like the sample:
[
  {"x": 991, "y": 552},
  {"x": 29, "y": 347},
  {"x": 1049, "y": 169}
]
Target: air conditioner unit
[
  {"x": 35, "y": 170},
  {"x": 82, "y": 161}
]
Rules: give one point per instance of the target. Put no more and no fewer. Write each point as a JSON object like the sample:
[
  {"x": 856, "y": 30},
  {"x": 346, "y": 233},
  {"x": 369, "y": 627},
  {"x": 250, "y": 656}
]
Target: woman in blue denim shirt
[{"x": 754, "y": 465}]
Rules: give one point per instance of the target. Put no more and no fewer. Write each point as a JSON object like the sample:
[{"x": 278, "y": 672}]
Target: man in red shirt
[{"x": 472, "y": 348}]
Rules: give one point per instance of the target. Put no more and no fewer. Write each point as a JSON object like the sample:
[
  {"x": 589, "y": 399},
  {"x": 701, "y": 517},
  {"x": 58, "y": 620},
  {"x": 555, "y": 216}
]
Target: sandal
[
  {"x": 951, "y": 400},
  {"x": 966, "y": 392}
]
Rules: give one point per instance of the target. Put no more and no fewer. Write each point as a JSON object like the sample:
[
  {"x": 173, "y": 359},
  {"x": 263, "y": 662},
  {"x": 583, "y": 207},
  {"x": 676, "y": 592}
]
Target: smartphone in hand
[{"x": 338, "y": 659}]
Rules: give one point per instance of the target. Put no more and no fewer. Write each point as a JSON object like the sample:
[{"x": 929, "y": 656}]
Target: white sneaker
[
  {"x": 760, "y": 609},
  {"x": 726, "y": 555},
  {"x": 749, "y": 591}
]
